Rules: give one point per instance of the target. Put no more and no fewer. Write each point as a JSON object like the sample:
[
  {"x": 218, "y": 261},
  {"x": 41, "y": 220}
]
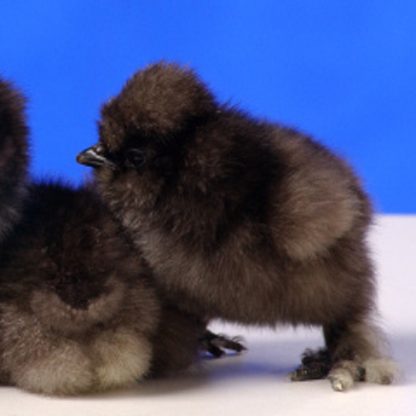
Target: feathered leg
[{"x": 353, "y": 353}]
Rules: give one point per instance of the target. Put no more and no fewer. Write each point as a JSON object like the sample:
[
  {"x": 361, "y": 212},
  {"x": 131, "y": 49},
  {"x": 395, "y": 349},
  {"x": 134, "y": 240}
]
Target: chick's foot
[
  {"x": 315, "y": 365},
  {"x": 216, "y": 345}
]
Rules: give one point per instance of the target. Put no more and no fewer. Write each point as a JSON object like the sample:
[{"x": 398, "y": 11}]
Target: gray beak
[{"x": 94, "y": 157}]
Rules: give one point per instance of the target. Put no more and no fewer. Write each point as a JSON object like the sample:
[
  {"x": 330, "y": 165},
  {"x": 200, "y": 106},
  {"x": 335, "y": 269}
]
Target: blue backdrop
[{"x": 343, "y": 71}]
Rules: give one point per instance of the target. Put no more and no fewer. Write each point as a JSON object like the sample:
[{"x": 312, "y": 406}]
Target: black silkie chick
[
  {"x": 242, "y": 219},
  {"x": 13, "y": 156},
  {"x": 78, "y": 309},
  {"x": 74, "y": 317}
]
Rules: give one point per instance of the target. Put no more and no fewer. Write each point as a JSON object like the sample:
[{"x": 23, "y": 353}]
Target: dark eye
[{"x": 135, "y": 158}]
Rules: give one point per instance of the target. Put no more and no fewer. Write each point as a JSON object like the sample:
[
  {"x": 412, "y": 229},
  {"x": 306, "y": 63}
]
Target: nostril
[{"x": 99, "y": 150}]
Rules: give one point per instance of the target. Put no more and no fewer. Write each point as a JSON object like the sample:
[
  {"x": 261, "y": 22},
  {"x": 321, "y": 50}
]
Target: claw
[{"x": 217, "y": 345}]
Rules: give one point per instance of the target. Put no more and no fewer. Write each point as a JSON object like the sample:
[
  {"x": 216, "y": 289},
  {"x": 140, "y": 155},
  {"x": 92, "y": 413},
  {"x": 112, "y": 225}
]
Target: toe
[{"x": 341, "y": 379}]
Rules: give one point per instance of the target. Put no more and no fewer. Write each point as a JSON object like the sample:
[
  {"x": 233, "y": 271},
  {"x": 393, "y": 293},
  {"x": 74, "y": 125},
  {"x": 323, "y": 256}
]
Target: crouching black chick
[
  {"x": 13, "y": 156},
  {"x": 78, "y": 310},
  {"x": 242, "y": 219}
]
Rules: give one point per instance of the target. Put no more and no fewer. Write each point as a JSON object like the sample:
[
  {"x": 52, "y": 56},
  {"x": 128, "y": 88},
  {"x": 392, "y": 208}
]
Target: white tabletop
[{"x": 256, "y": 382}]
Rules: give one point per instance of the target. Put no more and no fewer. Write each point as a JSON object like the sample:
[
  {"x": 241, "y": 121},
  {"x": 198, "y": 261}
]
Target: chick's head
[{"x": 155, "y": 110}]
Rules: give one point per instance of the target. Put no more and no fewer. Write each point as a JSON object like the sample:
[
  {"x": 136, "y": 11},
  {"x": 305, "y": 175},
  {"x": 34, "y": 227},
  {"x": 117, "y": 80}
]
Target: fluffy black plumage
[
  {"x": 13, "y": 155},
  {"x": 79, "y": 311},
  {"x": 242, "y": 219},
  {"x": 70, "y": 322}
]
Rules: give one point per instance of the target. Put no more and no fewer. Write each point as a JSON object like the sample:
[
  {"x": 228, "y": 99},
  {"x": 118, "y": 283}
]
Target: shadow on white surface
[
  {"x": 255, "y": 382},
  {"x": 268, "y": 361}
]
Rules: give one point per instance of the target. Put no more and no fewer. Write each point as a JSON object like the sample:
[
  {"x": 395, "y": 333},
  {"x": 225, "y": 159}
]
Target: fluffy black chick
[
  {"x": 78, "y": 309},
  {"x": 242, "y": 219},
  {"x": 13, "y": 155}
]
